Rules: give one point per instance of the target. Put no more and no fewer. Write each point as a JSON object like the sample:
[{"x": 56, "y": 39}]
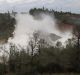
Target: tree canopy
[{"x": 7, "y": 25}]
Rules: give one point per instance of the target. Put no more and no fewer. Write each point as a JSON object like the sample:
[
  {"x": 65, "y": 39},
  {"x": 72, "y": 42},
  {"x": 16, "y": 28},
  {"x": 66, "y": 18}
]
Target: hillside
[
  {"x": 7, "y": 26},
  {"x": 63, "y": 18}
]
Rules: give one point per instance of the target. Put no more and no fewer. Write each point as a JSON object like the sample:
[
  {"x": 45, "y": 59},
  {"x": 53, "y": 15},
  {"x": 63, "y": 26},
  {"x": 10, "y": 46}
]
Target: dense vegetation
[
  {"x": 40, "y": 58},
  {"x": 7, "y": 25}
]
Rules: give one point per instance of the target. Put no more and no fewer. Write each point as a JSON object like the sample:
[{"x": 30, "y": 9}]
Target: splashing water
[{"x": 26, "y": 25}]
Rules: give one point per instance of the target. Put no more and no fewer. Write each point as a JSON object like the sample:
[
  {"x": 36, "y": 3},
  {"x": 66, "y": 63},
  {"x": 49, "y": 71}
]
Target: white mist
[{"x": 26, "y": 25}]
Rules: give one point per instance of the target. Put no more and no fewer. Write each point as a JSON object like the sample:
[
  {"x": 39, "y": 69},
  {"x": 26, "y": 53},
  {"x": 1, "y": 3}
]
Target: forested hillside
[
  {"x": 62, "y": 17},
  {"x": 7, "y": 26}
]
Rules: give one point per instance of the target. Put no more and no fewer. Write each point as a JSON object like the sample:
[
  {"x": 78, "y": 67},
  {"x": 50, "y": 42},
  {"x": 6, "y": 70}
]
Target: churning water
[{"x": 26, "y": 25}]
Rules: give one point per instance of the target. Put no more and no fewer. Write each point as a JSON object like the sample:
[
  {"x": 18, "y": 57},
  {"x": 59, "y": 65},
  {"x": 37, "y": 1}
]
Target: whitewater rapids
[{"x": 26, "y": 25}]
